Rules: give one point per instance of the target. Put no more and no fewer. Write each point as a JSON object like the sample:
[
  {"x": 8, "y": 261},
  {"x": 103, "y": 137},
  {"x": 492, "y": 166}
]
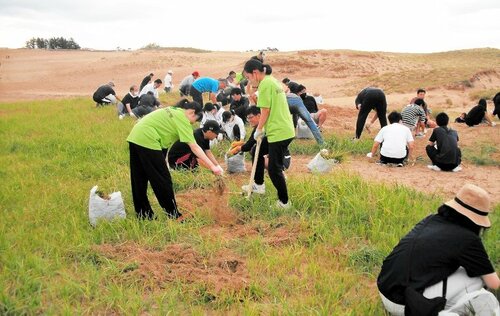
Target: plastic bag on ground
[
  {"x": 320, "y": 164},
  {"x": 236, "y": 163},
  {"x": 104, "y": 208},
  {"x": 303, "y": 130}
]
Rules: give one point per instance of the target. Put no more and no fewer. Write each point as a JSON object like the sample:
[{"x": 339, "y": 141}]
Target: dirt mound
[{"x": 223, "y": 271}]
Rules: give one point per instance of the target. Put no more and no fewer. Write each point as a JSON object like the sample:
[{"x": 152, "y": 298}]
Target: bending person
[
  {"x": 368, "y": 99},
  {"x": 148, "y": 143}
]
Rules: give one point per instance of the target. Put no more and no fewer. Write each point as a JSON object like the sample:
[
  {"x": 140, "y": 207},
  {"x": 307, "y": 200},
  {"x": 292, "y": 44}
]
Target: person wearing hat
[
  {"x": 233, "y": 126},
  {"x": 444, "y": 254},
  {"x": 168, "y": 81},
  {"x": 149, "y": 141},
  {"x": 180, "y": 155},
  {"x": 185, "y": 85},
  {"x": 105, "y": 95}
]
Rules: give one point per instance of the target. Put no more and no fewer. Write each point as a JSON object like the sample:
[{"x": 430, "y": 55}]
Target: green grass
[
  {"x": 481, "y": 155},
  {"x": 53, "y": 152}
]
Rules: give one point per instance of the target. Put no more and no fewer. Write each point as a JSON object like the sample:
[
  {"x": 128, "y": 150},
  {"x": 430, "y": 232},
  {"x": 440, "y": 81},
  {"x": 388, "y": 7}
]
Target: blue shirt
[{"x": 206, "y": 84}]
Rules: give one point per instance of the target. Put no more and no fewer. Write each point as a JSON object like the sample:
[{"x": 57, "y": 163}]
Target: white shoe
[
  {"x": 433, "y": 167},
  {"x": 457, "y": 169},
  {"x": 121, "y": 116},
  {"x": 282, "y": 205},
  {"x": 256, "y": 188}
]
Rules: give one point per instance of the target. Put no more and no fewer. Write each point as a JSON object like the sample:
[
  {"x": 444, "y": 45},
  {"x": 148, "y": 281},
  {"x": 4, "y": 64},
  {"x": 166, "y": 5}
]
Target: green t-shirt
[
  {"x": 161, "y": 129},
  {"x": 279, "y": 125}
]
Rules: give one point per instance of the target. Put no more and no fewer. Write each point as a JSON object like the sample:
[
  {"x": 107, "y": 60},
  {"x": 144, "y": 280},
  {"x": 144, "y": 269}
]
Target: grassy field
[{"x": 321, "y": 257}]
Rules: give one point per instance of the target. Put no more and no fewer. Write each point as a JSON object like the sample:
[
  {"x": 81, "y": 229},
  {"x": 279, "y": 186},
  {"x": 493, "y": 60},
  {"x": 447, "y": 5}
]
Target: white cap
[{"x": 170, "y": 72}]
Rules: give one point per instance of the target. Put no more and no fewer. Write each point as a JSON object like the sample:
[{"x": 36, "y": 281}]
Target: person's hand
[
  {"x": 220, "y": 137},
  {"x": 217, "y": 170},
  {"x": 132, "y": 114},
  {"x": 369, "y": 155},
  {"x": 259, "y": 134}
]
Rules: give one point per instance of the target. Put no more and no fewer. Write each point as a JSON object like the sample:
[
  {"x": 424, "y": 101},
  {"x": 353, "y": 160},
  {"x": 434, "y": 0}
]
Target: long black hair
[
  {"x": 254, "y": 64},
  {"x": 453, "y": 216}
]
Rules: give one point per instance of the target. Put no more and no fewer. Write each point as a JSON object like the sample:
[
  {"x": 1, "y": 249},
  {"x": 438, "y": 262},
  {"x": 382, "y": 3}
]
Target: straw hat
[{"x": 473, "y": 202}]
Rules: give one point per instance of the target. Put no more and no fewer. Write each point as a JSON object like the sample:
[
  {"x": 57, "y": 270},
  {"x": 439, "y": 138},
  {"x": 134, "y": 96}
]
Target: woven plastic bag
[
  {"x": 320, "y": 164},
  {"x": 107, "y": 208},
  {"x": 303, "y": 130},
  {"x": 236, "y": 163}
]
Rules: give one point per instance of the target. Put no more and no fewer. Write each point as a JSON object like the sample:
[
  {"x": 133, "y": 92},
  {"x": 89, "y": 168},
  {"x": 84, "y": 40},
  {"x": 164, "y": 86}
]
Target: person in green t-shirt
[
  {"x": 275, "y": 120},
  {"x": 149, "y": 141}
]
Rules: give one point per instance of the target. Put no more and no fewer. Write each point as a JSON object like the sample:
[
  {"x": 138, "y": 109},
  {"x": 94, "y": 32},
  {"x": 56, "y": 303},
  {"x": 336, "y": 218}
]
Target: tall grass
[{"x": 53, "y": 152}]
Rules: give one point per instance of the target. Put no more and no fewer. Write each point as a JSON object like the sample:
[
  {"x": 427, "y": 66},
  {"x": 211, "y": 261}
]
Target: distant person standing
[
  {"x": 168, "y": 82},
  {"x": 185, "y": 85},
  {"x": 443, "y": 148},
  {"x": 368, "y": 99},
  {"x": 205, "y": 84},
  {"x": 105, "y": 95},
  {"x": 146, "y": 80},
  {"x": 260, "y": 56},
  {"x": 478, "y": 114}
]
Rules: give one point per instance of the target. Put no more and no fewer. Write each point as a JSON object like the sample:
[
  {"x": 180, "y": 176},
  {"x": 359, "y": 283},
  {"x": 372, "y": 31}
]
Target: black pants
[
  {"x": 432, "y": 153},
  {"x": 259, "y": 170},
  {"x": 149, "y": 165},
  {"x": 376, "y": 102},
  {"x": 386, "y": 160},
  {"x": 197, "y": 96},
  {"x": 277, "y": 153},
  {"x": 236, "y": 133}
]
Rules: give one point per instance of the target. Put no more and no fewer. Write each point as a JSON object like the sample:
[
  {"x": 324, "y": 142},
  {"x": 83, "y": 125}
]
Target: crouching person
[
  {"x": 180, "y": 155},
  {"x": 395, "y": 140},
  {"x": 444, "y": 256},
  {"x": 443, "y": 148},
  {"x": 148, "y": 143}
]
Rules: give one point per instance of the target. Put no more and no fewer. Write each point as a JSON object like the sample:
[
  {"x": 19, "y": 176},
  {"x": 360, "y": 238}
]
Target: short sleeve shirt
[
  {"x": 394, "y": 139},
  {"x": 440, "y": 247},
  {"x": 180, "y": 149},
  {"x": 129, "y": 99},
  {"x": 206, "y": 85},
  {"x": 447, "y": 145},
  {"x": 161, "y": 129},
  {"x": 279, "y": 125}
]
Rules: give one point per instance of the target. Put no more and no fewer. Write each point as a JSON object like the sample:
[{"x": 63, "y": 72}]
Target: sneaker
[
  {"x": 121, "y": 116},
  {"x": 433, "y": 167},
  {"x": 399, "y": 165},
  {"x": 282, "y": 205},
  {"x": 457, "y": 169},
  {"x": 256, "y": 188}
]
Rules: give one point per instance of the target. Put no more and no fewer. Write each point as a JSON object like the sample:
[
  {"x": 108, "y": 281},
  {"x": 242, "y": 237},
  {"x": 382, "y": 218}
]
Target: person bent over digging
[{"x": 149, "y": 141}]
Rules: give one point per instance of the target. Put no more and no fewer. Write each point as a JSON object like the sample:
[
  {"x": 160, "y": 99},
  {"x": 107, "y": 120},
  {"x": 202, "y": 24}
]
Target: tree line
[{"x": 52, "y": 43}]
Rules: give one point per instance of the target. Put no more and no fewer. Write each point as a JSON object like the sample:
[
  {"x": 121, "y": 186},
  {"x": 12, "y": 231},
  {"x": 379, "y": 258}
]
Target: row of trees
[{"x": 52, "y": 43}]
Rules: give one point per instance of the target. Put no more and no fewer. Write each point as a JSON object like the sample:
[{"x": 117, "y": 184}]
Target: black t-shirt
[
  {"x": 144, "y": 82},
  {"x": 103, "y": 91},
  {"x": 129, "y": 99},
  {"x": 180, "y": 149},
  {"x": 371, "y": 97},
  {"x": 439, "y": 248},
  {"x": 475, "y": 115},
  {"x": 310, "y": 103},
  {"x": 447, "y": 145},
  {"x": 149, "y": 100}
]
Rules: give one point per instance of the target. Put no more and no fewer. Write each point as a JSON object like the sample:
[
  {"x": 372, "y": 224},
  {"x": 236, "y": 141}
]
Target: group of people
[
  {"x": 396, "y": 140},
  {"x": 442, "y": 256}
]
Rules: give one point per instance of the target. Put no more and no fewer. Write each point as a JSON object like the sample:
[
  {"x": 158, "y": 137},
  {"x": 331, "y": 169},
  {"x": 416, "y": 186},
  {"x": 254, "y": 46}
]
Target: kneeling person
[
  {"x": 395, "y": 140},
  {"x": 180, "y": 155}
]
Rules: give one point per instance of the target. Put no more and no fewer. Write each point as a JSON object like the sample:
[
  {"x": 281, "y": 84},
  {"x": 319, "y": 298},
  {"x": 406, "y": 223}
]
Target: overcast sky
[{"x": 384, "y": 25}]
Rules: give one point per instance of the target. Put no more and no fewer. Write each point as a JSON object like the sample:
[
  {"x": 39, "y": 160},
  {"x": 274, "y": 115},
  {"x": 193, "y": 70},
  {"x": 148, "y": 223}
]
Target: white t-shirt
[
  {"x": 147, "y": 88},
  {"x": 228, "y": 127},
  {"x": 394, "y": 139},
  {"x": 168, "y": 81}
]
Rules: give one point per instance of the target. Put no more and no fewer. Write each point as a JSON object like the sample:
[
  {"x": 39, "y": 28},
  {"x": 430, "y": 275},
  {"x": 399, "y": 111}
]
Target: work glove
[
  {"x": 237, "y": 143},
  {"x": 259, "y": 134}
]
